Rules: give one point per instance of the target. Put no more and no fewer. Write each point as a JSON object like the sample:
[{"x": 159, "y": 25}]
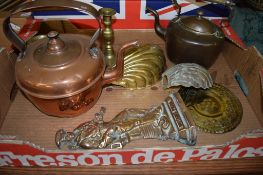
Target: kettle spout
[{"x": 157, "y": 26}]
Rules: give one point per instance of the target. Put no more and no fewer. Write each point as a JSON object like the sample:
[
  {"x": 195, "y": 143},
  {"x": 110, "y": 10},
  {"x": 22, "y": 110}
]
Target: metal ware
[
  {"x": 107, "y": 14},
  {"x": 191, "y": 39},
  {"x": 214, "y": 110},
  {"x": 143, "y": 66},
  {"x": 187, "y": 75},
  {"x": 170, "y": 120},
  {"x": 63, "y": 74},
  {"x": 35, "y": 38}
]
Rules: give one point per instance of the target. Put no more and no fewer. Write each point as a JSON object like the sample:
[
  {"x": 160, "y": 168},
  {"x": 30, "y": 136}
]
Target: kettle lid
[
  {"x": 199, "y": 23},
  {"x": 59, "y": 66},
  {"x": 55, "y": 52}
]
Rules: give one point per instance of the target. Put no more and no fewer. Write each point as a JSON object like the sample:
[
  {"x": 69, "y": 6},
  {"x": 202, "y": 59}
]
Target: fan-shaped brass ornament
[
  {"x": 215, "y": 110},
  {"x": 143, "y": 66},
  {"x": 187, "y": 75}
]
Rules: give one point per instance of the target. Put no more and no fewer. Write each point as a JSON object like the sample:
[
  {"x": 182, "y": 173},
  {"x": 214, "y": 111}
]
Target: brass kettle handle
[{"x": 27, "y": 6}]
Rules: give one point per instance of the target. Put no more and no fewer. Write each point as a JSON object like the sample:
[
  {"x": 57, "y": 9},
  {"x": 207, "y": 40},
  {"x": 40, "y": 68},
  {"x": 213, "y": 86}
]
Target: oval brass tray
[{"x": 215, "y": 110}]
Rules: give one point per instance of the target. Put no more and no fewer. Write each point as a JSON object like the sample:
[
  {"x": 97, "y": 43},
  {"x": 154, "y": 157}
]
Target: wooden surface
[{"x": 234, "y": 166}]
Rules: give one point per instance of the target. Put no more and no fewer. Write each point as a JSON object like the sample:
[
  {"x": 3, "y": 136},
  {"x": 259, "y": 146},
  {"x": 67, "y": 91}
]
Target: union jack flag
[
  {"x": 118, "y": 5},
  {"x": 131, "y": 14}
]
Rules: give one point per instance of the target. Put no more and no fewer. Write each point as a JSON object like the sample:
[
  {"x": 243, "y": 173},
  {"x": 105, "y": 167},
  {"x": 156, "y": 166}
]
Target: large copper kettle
[
  {"x": 63, "y": 74},
  {"x": 191, "y": 39}
]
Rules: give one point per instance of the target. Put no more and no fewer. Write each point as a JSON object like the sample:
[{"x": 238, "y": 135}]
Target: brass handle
[{"x": 27, "y": 6}]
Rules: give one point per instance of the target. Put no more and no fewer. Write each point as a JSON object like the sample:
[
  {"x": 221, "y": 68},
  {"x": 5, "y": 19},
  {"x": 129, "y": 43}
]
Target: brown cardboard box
[
  {"x": 7, "y": 80},
  {"x": 7, "y": 59},
  {"x": 33, "y": 128}
]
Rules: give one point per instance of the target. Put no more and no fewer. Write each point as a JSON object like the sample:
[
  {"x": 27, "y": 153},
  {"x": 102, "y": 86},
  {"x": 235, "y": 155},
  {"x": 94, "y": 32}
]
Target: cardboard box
[{"x": 27, "y": 135}]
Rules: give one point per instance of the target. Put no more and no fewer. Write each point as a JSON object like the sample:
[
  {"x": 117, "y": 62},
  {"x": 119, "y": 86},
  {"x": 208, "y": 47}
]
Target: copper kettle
[
  {"x": 191, "y": 39},
  {"x": 63, "y": 74}
]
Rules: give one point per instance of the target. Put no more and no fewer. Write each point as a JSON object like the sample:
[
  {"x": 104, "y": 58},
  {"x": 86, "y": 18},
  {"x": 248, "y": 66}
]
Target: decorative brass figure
[
  {"x": 108, "y": 51},
  {"x": 170, "y": 120},
  {"x": 187, "y": 75},
  {"x": 215, "y": 110},
  {"x": 143, "y": 66}
]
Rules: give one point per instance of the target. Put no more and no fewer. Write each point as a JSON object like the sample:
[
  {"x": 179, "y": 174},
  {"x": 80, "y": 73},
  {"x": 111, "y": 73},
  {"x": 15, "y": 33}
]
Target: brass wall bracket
[{"x": 170, "y": 120}]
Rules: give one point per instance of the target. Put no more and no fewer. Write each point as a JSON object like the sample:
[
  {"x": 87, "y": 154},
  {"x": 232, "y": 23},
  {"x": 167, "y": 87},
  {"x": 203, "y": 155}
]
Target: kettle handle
[
  {"x": 27, "y": 6},
  {"x": 177, "y": 6}
]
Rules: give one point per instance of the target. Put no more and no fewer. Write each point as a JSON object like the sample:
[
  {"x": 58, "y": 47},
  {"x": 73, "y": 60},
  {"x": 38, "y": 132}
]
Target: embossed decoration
[
  {"x": 75, "y": 102},
  {"x": 143, "y": 66},
  {"x": 170, "y": 120},
  {"x": 215, "y": 110},
  {"x": 187, "y": 75}
]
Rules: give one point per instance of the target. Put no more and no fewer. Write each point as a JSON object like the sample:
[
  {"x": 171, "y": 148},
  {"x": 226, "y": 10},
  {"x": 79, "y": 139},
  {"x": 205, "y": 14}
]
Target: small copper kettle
[
  {"x": 191, "y": 39},
  {"x": 63, "y": 74}
]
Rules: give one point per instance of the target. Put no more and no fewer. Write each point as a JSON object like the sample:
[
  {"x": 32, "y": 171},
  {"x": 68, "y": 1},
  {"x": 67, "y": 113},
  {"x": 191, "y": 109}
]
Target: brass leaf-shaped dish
[
  {"x": 143, "y": 66},
  {"x": 187, "y": 75},
  {"x": 214, "y": 110}
]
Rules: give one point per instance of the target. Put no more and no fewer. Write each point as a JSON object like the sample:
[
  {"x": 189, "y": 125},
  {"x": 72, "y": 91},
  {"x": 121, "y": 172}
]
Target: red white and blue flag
[{"x": 131, "y": 14}]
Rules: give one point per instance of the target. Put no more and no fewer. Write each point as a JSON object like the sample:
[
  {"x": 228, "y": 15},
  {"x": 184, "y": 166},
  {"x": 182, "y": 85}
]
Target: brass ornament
[
  {"x": 170, "y": 120},
  {"x": 143, "y": 66},
  {"x": 214, "y": 110},
  {"x": 187, "y": 75}
]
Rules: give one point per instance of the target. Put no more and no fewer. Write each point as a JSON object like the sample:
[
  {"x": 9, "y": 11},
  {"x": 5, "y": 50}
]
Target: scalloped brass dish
[
  {"x": 187, "y": 75},
  {"x": 143, "y": 66},
  {"x": 215, "y": 110}
]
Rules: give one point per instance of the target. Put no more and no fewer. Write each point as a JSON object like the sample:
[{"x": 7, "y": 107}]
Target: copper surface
[
  {"x": 55, "y": 45},
  {"x": 191, "y": 39},
  {"x": 71, "y": 106},
  {"x": 63, "y": 74},
  {"x": 57, "y": 75},
  {"x": 170, "y": 120}
]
